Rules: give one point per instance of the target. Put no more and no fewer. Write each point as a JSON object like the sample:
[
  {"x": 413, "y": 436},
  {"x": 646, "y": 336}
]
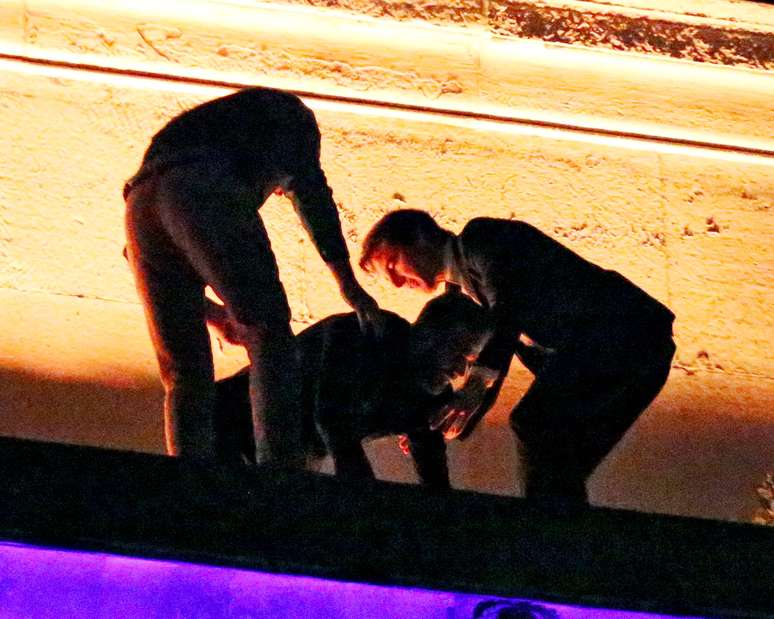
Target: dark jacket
[
  {"x": 272, "y": 139},
  {"x": 353, "y": 388},
  {"x": 538, "y": 287}
]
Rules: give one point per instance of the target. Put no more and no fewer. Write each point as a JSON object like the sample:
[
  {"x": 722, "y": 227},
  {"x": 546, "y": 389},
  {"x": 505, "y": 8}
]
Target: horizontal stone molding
[
  {"x": 466, "y": 71},
  {"x": 718, "y": 32}
]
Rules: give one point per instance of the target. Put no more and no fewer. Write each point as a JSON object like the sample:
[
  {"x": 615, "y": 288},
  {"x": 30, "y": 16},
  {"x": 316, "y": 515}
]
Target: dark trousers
[
  {"x": 579, "y": 407},
  {"x": 193, "y": 225}
]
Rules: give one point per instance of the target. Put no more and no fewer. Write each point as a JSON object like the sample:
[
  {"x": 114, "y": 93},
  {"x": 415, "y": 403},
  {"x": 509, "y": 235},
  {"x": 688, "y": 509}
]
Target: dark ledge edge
[{"x": 274, "y": 520}]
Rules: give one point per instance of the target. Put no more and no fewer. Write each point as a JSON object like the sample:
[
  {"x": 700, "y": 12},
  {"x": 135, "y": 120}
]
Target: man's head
[
  {"x": 445, "y": 339},
  {"x": 407, "y": 246}
]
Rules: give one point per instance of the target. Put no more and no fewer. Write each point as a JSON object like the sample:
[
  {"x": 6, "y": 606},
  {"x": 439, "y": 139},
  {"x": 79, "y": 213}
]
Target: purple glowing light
[{"x": 38, "y": 583}]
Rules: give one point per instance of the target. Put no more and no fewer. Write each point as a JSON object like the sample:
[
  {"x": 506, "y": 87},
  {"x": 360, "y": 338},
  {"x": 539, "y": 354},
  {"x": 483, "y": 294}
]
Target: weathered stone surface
[
  {"x": 12, "y": 21},
  {"x": 464, "y": 70},
  {"x": 718, "y": 31},
  {"x": 463, "y": 12},
  {"x": 690, "y": 225},
  {"x": 701, "y": 449},
  {"x": 595, "y": 25},
  {"x": 301, "y": 49},
  {"x": 626, "y": 94},
  {"x": 721, "y": 263}
]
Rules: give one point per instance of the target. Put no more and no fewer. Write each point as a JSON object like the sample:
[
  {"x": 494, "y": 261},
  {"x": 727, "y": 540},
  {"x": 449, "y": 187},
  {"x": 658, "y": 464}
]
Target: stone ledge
[
  {"x": 719, "y": 33},
  {"x": 458, "y": 12},
  {"x": 681, "y": 37},
  {"x": 405, "y": 64},
  {"x": 274, "y": 520}
]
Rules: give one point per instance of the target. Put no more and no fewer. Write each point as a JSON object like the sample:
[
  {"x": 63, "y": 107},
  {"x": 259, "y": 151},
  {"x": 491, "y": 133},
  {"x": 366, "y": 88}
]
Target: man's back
[
  {"x": 553, "y": 294},
  {"x": 253, "y": 122},
  {"x": 353, "y": 386},
  {"x": 346, "y": 375}
]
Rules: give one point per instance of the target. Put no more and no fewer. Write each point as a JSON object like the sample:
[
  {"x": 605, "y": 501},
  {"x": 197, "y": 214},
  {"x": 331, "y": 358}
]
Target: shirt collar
[{"x": 452, "y": 266}]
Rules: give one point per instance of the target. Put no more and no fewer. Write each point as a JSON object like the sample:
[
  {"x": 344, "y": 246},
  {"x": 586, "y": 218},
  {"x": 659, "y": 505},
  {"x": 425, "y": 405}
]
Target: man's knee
[
  {"x": 181, "y": 385},
  {"x": 272, "y": 349}
]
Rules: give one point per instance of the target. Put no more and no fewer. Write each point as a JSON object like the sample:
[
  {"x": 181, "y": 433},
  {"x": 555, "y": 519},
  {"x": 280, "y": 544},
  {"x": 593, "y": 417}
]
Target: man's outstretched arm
[{"x": 312, "y": 198}]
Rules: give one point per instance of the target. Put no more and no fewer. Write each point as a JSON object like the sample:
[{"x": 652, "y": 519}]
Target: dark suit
[
  {"x": 611, "y": 347},
  {"x": 353, "y": 388}
]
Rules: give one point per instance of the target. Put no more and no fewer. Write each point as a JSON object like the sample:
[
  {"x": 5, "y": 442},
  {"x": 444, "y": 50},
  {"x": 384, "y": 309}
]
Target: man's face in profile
[
  {"x": 415, "y": 268},
  {"x": 443, "y": 353}
]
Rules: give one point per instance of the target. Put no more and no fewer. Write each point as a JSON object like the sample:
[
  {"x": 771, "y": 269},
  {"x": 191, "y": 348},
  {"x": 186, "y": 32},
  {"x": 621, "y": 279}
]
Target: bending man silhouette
[
  {"x": 600, "y": 347},
  {"x": 191, "y": 221}
]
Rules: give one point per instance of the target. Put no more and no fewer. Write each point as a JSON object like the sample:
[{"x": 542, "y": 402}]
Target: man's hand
[
  {"x": 456, "y": 415},
  {"x": 534, "y": 356},
  {"x": 218, "y": 318},
  {"x": 369, "y": 316}
]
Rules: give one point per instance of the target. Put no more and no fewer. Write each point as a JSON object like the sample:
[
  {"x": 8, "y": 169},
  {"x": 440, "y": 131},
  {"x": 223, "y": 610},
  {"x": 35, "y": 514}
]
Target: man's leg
[
  {"x": 428, "y": 449},
  {"x": 568, "y": 422},
  {"x": 212, "y": 218},
  {"x": 616, "y": 411},
  {"x": 172, "y": 297},
  {"x": 275, "y": 394},
  {"x": 547, "y": 454},
  {"x": 545, "y": 422},
  {"x": 234, "y": 418}
]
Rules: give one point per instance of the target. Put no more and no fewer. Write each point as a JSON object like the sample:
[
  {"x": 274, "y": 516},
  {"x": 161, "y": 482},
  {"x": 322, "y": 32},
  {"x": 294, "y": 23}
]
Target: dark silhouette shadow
[{"x": 356, "y": 387}]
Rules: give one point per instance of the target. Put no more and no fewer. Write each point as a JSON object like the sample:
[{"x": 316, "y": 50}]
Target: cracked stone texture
[
  {"x": 724, "y": 33},
  {"x": 297, "y": 47},
  {"x": 581, "y": 24},
  {"x": 690, "y": 227},
  {"x": 716, "y": 214}
]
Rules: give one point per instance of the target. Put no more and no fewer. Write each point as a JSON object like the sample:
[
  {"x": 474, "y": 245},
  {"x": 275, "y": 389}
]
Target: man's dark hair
[
  {"x": 454, "y": 307},
  {"x": 401, "y": 228}
]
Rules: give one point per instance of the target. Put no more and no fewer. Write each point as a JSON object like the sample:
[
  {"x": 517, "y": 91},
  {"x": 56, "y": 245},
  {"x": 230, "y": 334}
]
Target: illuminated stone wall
[{"x": 647, "y": 156}]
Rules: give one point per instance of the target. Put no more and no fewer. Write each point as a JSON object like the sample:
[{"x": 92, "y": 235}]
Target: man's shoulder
[
  {"x": 268, "y": 97},
  {"x": 246, "y": 104},
  {"x": 486, "y": 224},
  {"x": 484, "y": 230},
  {"x": 346, "y": 325}
]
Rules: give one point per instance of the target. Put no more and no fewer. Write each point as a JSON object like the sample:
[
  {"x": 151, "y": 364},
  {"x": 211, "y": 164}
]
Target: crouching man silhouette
[
  {"x": 356, "y": 387},
  {"x": 600, "y": 348}
]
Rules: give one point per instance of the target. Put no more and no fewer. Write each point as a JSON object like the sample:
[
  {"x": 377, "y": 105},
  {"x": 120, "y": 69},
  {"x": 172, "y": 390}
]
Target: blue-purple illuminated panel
[{"x": 40, "y": 583}]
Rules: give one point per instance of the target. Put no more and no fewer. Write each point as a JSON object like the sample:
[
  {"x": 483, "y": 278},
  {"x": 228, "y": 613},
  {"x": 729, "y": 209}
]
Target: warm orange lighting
[
  {"x": 83, "y": 359},
  {"x": 458, "y": 70},
  {"x": 658, "y": 168}
]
